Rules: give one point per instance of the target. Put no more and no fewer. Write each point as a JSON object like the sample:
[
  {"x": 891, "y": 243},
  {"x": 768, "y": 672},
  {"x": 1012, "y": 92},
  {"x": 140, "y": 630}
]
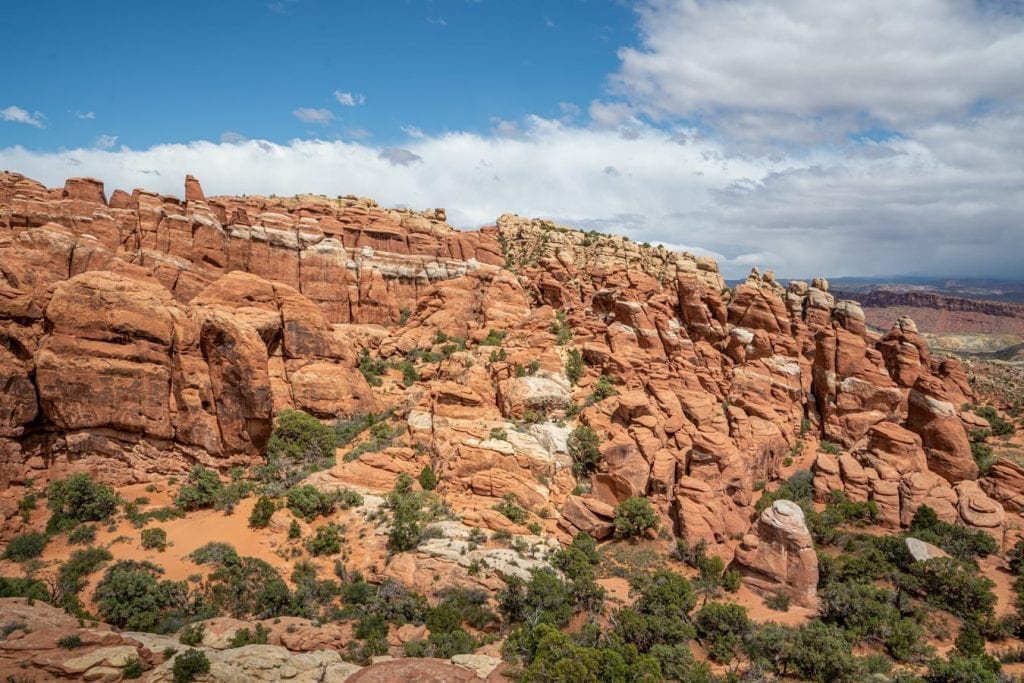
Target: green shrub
[
  {"x": 427, "y": 478},
  {"x": 298, "y": 445},
  {"x": 132, "y": 669},
  {"x": 983, "y": 456},
  {"x": 201, "y": 489},
  {"x": 26, "y": 505},
  {"x": 510, "y": 508},
  {"x": 722, "y": 627},
  {"x": 130, "y": 596},
  {"x": 25, "y": 547},
  {"x": 79, "y": 499},
  {"x": 999, "y": 425},
  {"x": 827, "y": 446},
  {"x": 498, "y": 434},
  {"x": 30, "y": 589},
  {"x": 963, "y": 670},
  {"x": 405, "y": 506},
  {"x": 602, "y": 389},
  {"x": 962, "y": 543},
  {"x": 633, "y": 517},
  {"x": 494, "y": 337},
  {"x": 244, "y": 636},
  {"x": 83, "y": 534},
  {"x": 326, "y": 540},
  {"x": 154, "y": 538},
  {"x": 70, "y": 641},
  {"x": 70, "y": 576},
  {"x": 574, "y": 366},
  {"x": 262, "y": 512},
  {"x": 584, "y": 449},
  {"x": 371, "y": 369},
  {"x": 778, "y": 602},
  {"x": 192, "y": 634},
  {"x": 294, "y": 531},
  {"x": 819, "y": 652},
  {"x": 190, "y": 664}
]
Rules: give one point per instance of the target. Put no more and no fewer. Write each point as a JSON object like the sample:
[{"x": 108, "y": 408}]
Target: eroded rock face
[
  {"x": 779, "y": 557},
  {"x": 144, "y": 333}
]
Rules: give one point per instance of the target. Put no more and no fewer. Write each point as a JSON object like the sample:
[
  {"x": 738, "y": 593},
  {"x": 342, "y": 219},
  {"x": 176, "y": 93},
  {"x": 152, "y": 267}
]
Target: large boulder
[{"x": 779, "y": 556}]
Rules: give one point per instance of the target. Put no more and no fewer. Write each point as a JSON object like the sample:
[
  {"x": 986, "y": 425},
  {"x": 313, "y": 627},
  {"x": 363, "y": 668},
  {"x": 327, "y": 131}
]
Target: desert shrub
[
  {"x": 999, "y": 425},
  {"x": 70, "y": 576},
  {"x": 201, "y": 489},
  {"x": 722, "y": 627},
  {"x": 25, "y": 547},
  {"x": 405, "y": 506},
  {"x": 83, "y": 534},
  {"x": 427, "y": 478},
  {"x": 262, "y": 512},
  {"x": 308, "y": 502},
  {"x": 192, "y": 634},
  {"x": 132, "y": 668},
  {"x": 602, "y": 389},
  {"x": 294, "y": 530},
  {"x": 778, "y": 602},
  {"x": 326, "y": 540},
  {"x": 498, "y": 434},
  {"x": 371, "y": 369},
  {"x": 132, "y": 597},
  {"x": 30, "y": 589},
  {"x": 214, "y": 552},
  {"x": 798, "y": 488},
  {"x": 584, "y": 448},
  {"x": 511, "y": 509},
  {"x": 574, "y": 366},
  {"x": 958, "y": 669},
  {"x": 154, "y": 538},
  {"x": 381, "y": 436},
  {"x": 298, "y": 445},
  {"x": 633, "y": 517},
  {"x": 190, "y": 664},
  {"x": 963, "y": 543},
  {"x": 244, "y": 636},
  {"x": 949, "y": 585},
  {"x": 79, "y": 499},
  {"x": 827, "y": 446},
  {"x": 819, "y": 652},
  {"x": 1015, "y": 558},
  {"x": 494, "y": 337},
  {"x": 983, "y": 457},
  {"x": 26, "y": 505},
  {"x": 70, "y": 641}
]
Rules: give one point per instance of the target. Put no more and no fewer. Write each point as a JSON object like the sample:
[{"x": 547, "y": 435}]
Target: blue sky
[
  {"x": 865, "y": 138},
  {"x": 157, "y": 72}
]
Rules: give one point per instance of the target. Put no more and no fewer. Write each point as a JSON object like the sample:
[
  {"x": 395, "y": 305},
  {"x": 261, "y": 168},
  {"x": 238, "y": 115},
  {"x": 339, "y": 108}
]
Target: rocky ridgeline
[{"x": 145, "y": 333}]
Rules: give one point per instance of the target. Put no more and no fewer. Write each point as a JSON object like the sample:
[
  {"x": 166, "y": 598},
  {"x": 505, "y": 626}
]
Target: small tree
[
  {"x": 326, "y": 540},
  {"x": 189, "y": 664},
  {"x": 427, "y": 478},
  {"x": 574, "y": 366},
  {"x": 25, "y": 547},
  {"x": 261, "y": 513},
  {"x": 79, "y": 499},
  {"x": 633, "y": 517},
  {"x": 583, "y": 447},
  {"x": 298, "y": 444},
  {"x": 201, "y": 489},
  {"x": 154, "y": 538}
]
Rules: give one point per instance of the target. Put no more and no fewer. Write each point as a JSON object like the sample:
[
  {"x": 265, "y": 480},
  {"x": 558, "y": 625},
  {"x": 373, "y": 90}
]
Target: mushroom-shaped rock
[{"x": 783, "y": 558}]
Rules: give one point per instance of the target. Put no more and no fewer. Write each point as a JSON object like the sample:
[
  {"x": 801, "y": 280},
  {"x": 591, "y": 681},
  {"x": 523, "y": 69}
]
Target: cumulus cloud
[
  {"x": 347, "y": 99},
  {"x": 16, "y": 114},
  {"x": 310, "y": 115},
  {"x": 106, "y": 141},
  {"x": 413, "y": 131},
  {"x": 788, "y": 68},
  {"x": 948, "y": 200}
]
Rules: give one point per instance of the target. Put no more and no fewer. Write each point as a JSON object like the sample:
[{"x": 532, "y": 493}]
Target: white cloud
[
  {"x": 358, "y": 133},
  {"x": 231, "y": 137},
  {"x": 413, "y": 131},
  {"x": 85, "y": 115},
  {"x": 18, "y": 115},
  {"x": 437, "y": 21},
  {"x": 310, "y": 115},
  {"x": 347, "y": 99},
  {"x": 106, "y": 141},
  {"x": 806, "y": 65},
  {"x": 947, "y": 200}
]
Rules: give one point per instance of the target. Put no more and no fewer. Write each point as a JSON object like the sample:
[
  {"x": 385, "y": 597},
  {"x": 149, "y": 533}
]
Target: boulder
[{"x": 780, "y": 557}]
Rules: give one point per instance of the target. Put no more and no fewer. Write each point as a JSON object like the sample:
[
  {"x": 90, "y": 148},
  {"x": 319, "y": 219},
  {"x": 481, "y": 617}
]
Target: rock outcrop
[
  {"x": 142, "y": 333},
  {"x": 779, "y": 557}
]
